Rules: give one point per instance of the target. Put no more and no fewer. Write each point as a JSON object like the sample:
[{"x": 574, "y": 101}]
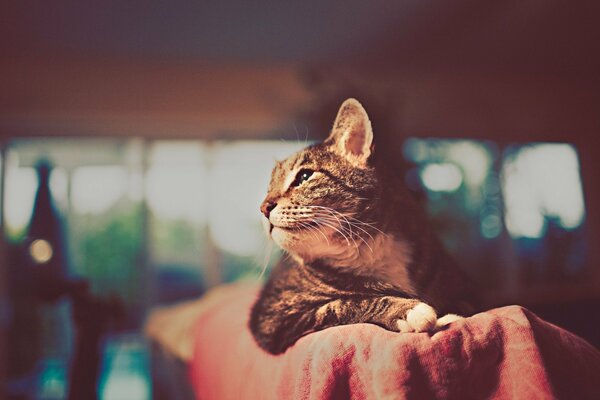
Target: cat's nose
[{"x": 267, "y": 206}]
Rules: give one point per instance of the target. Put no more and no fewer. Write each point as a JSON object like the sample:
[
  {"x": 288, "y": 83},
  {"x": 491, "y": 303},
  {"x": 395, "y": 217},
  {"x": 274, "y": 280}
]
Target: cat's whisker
[
  {"x": 368, "y": 224},
  {"x": 266, "y": 259},
  {"x": 350, "y": 216},
  {"x": 332, "y": 222},
  {"x": 322, "y": 233},
  {"x": 297, "y": 133},
  {"x": 352, "y": 234},
  {"x": 366, "y": 243},
  {"x": 332, "y": 211},
  {"x": 312, "y": 230},
  {"x": 359, "y": 237},
  {"x": 348, "y": 223},
  {"x": 330, "y": 225},
  {"x": 286, "y": 257},
  {"x": 335, "y": 214},
  {"x": 365, "y": 231},
  {"x": 306, "y": 136},
  {"x": 334, "y": 219},
  {"x": 345, "y": 229}
]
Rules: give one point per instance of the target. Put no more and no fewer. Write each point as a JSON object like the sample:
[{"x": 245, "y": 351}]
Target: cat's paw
[
  {"x": 421, "y": 318},
  {"x": 447, "y": 319}
]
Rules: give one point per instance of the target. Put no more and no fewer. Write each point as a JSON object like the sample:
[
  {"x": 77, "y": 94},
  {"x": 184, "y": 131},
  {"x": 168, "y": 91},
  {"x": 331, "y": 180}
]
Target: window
[
  {"x": 160, "y": 221},
  {"x": 512, "y": 217},
  {"x": 545, "y": 211}
]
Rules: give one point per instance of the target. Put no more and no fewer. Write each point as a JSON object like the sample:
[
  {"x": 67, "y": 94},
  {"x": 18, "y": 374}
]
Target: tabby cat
[{"x": 361, "y": 250}]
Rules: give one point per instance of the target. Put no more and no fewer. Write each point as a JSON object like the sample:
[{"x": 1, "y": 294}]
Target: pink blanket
[{"x": 503, "y": 353}]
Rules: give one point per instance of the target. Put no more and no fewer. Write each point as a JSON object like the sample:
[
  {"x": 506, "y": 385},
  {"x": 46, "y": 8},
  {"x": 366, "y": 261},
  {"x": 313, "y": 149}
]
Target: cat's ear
[{"x": 352, "y": 135}]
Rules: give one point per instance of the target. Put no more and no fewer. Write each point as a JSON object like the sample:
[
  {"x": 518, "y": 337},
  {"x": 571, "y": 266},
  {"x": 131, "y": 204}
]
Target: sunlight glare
[
  {"x": 176, "y": 182},
  {"x": 239, "y": 178},
  {"x": 95, "y": 189},
  {"x": 474, "y": 159},
  {"x": 41, "y": 251},
  {"x": 59, "y": 184},
  {"x": 542, "y": 180},
  {"x": 20, "y": 187},
  {"x": 443, "y": 177}
]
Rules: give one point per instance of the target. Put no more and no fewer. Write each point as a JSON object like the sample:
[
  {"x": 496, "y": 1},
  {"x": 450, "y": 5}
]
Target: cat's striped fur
[{"x": 360, "y": 244}]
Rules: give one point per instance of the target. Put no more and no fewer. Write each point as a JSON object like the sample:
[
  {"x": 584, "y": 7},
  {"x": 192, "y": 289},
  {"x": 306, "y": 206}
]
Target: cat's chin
[
  {"x": 307, "y": 246},
  {"x": 295, "y": 241},
  {"x": 287, "y": 239}
]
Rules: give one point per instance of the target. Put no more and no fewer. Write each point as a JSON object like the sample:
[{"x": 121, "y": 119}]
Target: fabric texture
[{"x": 503, "y": 353}]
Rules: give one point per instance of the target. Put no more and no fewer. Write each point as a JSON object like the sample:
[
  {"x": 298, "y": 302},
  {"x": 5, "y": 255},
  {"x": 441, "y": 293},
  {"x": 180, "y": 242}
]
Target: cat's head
[{"x": 322, "y": 200}]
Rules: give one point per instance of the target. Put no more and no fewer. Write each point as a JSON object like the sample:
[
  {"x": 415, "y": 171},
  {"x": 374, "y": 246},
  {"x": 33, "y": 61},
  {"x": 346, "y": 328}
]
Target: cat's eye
[{"x": 302, "y": 176}]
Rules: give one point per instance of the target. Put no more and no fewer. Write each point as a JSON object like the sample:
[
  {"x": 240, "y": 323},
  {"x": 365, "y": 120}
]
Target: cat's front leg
[
  {"x": 393, "y": 313},
  {"x": 420, "y": 318}
]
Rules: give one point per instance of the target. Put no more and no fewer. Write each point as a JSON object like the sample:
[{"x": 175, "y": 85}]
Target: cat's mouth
[
  {"x": 286, "y": 228},
  {"x": 292, "y": 228}
]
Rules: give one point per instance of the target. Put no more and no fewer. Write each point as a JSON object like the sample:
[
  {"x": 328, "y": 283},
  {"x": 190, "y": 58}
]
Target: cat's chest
[{"x": 383, "y": 258}]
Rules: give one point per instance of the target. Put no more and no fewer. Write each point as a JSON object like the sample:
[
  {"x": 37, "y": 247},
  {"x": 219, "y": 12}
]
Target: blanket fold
[{"x": 503, "y": 353}]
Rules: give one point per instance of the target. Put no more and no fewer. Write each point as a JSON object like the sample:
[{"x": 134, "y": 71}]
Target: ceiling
[
  {"x": 554, "y": 35},
  {"x": 210, "y": 30},
  {"x": 215, "y": 68}
]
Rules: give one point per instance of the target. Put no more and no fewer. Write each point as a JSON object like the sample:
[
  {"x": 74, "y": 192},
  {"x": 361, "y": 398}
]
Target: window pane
[
  {"x": 540, "y": 182},
  {"x": 239, "y": 177},
  {"x": 544, "y": 206},
  {"x": 175, "y": 188},
  {"x": 463, "y": 200}
]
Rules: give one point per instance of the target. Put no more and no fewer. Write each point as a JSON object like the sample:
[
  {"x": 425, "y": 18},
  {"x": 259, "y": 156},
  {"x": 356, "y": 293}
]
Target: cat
[{"x": 361, "y": 250}]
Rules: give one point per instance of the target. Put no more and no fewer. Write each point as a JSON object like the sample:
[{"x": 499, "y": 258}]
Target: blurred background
[{"x": 137, "y": 139}]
